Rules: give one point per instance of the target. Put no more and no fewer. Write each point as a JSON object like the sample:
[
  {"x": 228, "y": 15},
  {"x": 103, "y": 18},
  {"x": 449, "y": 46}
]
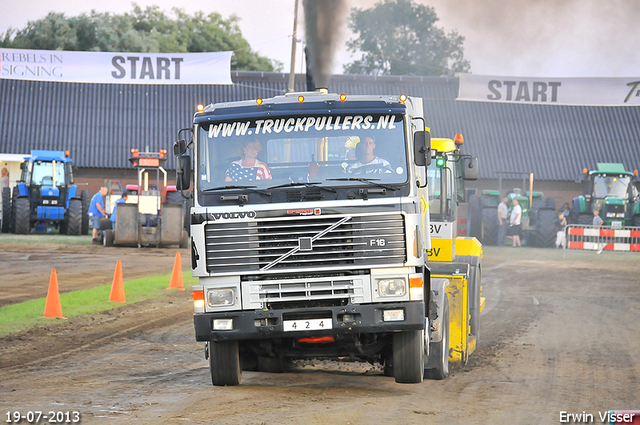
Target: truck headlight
[
  {"x": 222, "y": 297},
  {"x": 620, "y": 215},
  {"x": 392, "y": 287},
  {"x": 611, "y": 214}
]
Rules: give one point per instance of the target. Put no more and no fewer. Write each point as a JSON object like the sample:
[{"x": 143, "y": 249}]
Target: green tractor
[{"x": 613, "y": 192}]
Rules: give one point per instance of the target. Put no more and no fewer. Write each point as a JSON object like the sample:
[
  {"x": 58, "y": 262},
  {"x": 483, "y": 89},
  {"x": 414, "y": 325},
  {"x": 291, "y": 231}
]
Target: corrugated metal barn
[{"x": 100, "y": 123}]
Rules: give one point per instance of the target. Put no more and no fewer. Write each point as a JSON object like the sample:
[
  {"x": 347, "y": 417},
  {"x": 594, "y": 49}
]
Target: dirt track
[{"x": 556, "y": 335}]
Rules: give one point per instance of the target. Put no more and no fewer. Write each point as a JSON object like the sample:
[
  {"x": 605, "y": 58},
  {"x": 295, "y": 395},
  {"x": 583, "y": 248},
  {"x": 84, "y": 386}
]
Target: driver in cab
[{"x": 368, "y": 162}]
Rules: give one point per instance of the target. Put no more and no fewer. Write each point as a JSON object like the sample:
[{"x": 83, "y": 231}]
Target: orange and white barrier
[{"x": 602, "y": 238}]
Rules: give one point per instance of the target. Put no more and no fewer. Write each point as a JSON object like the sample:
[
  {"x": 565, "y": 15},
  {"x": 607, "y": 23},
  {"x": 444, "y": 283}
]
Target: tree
[
  {"x": 399, "y": 37},
  {"x": 147, "y": 30}
]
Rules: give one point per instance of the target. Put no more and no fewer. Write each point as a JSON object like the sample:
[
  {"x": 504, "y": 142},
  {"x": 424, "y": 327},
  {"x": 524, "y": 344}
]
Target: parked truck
[
  {"x": 305, "y": 247},
  {"x": 146, "y": 219},
  {"x": 46, "y": 196},
  {"x": 612, "y": 191}
]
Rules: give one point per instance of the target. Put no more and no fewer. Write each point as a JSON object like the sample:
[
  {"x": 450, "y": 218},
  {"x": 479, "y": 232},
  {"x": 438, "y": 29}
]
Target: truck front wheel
[
  {"x": 439, "y": 353},
  {"x": 224, "y": 363},
  {"x": 408, "y": 356}
]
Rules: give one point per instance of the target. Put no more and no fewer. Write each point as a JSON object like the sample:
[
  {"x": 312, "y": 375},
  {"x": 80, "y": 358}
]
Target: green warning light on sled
[{"x": 440, "y": 162}]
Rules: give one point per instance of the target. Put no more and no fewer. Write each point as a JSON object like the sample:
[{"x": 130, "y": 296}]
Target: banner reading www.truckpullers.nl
[
  {"x": 116, "y": 68},
  {"x": 617, "y": 91}
]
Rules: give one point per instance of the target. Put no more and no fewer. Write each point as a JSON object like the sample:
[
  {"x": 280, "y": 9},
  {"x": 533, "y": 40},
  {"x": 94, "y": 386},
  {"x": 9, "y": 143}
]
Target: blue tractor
[{"x": 46, "y": 196}]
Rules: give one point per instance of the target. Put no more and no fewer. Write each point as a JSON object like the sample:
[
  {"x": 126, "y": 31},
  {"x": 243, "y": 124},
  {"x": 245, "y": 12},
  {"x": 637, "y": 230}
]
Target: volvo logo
[{"x": 232, "y": 215}]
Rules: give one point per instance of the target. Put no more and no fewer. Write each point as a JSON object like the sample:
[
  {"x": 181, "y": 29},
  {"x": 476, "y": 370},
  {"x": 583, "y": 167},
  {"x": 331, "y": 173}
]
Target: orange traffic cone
[
  {"x": 53, "y": 307},
  {"x": 176, "y": 274},
  {"x": 117, "y": 287}
]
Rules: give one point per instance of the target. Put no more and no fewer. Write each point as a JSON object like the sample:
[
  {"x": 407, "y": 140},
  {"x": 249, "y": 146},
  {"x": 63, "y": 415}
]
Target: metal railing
[{"x": 602, "y": 238}]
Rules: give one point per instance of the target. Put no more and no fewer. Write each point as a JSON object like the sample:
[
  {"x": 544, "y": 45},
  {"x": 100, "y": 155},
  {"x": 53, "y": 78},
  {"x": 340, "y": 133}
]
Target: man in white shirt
[
  {"x": 516, "y": 221},
  {"x": 503, "y": 215},
  {"x": 367, "y": 159}
]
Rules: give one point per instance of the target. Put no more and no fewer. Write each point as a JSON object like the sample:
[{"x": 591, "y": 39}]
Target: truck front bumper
[{"x": 350, "y": 319}]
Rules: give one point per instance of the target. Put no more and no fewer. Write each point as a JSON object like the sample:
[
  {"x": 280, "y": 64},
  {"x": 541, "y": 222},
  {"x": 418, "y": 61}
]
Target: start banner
[
  {"x": 550, "y": 91},
  {"x": 116, "y": 68}
]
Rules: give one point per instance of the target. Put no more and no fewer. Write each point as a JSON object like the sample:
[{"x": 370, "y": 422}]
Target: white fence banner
[
  {"x": 550, "y": 91},
  {"x": 116, "y": 68}
]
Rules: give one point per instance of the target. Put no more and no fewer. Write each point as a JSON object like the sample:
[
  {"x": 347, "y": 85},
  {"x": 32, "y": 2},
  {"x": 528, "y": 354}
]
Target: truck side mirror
[
  {"x": 180, "y": 147},
  {"x": 183, "y": 172},
  {"x": 422, "y": 148},
  {"x": 470, "y": 168}
]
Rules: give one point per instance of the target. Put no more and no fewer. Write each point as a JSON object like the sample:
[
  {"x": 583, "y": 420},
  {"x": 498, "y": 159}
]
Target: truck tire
[
  {"x": 73, "y": 217},
  {"x": 474, "y": 220},
  {"x": 546, "y": 228},
  {"x": 6, "y": 210},
  {"x": 408, "y": 356},
  {"x": 489, "y": 225},
  {"x": 636, "y": 221},
  {"x": 21, "y": 211},
  {"x": 224, "y": 363},
  {"x": 108, "y": 237},
  {"x": 440, "y": 350},
  {"x": 86, "y": 201}
]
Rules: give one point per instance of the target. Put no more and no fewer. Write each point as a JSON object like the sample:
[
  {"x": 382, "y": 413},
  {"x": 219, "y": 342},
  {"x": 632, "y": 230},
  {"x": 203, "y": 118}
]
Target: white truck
[{"x": 305, "y": 246}]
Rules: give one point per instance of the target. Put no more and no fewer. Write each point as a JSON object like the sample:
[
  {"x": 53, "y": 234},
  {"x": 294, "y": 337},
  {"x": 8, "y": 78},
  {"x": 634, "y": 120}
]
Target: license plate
[
  {"x": 306, "y": 325},
  {"x": 616, "y": 225}
]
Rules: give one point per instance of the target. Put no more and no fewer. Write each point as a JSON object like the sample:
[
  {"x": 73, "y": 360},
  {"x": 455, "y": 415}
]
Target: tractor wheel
[
  {"x": 490, "y": 225},
  {"x": 585, "y": 218},
  {"x": 636, "y": 220},
  {"x": 174, "y": 197},
  {"x": 86, "y": 201},
  {"x": 12, "y": 220},
  {"x": 440, "y": 350},
  {"x": 6, "y": 210},
  {"x": 224, "y": 363},
  {"x": 408, "y": 356},
  {"x": 473, "y": 217},
  {"x": 546, "y": 229},
  {"x": 73, "y": 217},
  {"x": 21, "y": 212}
]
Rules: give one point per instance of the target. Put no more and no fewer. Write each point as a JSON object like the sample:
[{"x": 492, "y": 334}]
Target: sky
[{"x": 520, "y": 38}]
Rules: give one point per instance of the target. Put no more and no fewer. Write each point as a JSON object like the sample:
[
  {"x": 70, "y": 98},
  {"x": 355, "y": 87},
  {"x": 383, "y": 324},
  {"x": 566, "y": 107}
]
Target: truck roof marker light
[
  {"x": 458, "y": 140},
  {"x": 403, "y": 98},
  {"x": 585, "y": 171},
  {"x": 300, "y": 99},
  {"x": 343, "y": 97},
  {"x": 318, "y": 340},
  {"x": 66, "y": 154},
  {"x": 259, "y": 101},
  {"x": 635, "y": 172},
  {"x": 200, "y": 107}
]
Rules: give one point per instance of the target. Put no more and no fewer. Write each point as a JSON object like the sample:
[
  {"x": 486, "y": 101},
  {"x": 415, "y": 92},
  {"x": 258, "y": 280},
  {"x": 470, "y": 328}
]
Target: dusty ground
[{"x": 556, "y": 335}]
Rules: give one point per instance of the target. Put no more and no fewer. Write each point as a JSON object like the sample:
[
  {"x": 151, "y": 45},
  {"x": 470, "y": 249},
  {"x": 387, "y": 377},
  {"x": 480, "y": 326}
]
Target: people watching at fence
[
  {"x": 561, "y": 224},
  {"x": 597, "y": 220}
]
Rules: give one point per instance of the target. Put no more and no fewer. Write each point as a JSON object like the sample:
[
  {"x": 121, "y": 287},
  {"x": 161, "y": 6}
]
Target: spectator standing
[
  {"x": 561, "y": 224},
  {"x": 503, "y": 219},
  {"x": 597, "y": 220},
  {"x": 516, "y": 223}
]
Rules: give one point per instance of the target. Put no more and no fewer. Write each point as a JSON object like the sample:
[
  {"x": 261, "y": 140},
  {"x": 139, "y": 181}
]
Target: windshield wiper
[
  {"x": 372, "y": 182},
  {"x": 231, "y": 186},
  {"x": 305, "y": 184}
]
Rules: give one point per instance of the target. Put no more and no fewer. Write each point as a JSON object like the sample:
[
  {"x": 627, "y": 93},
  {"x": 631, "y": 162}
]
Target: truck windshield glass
[
  {"x": 604, "y": 186},
  {"x": 303, "y": 149},
  {"x": 44, "y": 172}
]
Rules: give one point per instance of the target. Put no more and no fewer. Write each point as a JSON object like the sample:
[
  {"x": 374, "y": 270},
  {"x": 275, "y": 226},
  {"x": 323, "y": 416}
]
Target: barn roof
[{"x": 100, "y": 123}]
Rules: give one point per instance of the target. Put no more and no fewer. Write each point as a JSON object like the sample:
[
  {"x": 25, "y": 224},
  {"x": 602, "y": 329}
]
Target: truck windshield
[
  {"x": 325, "y": 150},
  {"x": 617, "y": 186},
  {"x": 43, "y": 173}
]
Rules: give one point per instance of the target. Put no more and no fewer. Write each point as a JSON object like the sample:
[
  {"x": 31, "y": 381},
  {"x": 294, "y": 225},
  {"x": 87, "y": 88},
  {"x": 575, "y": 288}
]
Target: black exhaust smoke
[{"x": 324, "y": 23}]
